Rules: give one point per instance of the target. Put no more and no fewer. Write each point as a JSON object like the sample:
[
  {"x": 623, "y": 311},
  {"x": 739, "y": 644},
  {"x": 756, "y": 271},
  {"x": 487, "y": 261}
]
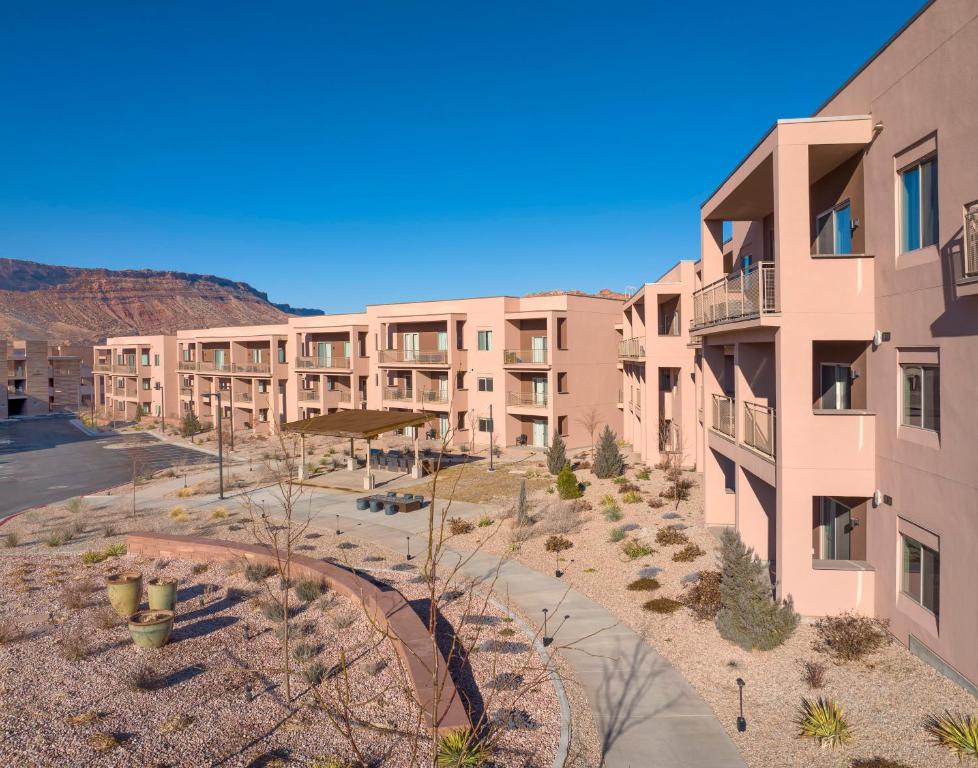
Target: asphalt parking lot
[{"x": 48, "y": 460}]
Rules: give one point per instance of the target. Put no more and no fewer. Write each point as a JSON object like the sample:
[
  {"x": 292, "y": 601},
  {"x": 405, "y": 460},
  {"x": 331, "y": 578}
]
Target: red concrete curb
[{"x": 387, "y": 608}]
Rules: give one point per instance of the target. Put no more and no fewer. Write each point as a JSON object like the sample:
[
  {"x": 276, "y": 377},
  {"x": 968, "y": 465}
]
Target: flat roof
[{"x": 360, "y": 424}]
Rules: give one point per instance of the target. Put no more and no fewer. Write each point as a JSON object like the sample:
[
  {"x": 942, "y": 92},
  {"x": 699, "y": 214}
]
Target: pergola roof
[{"x": 361, "y": 424}]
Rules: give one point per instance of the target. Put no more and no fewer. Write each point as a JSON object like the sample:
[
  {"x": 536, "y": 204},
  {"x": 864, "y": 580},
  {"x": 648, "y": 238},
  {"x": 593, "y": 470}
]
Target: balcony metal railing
[
  {"x": 971, "y": 241},
  {"x": 633, "y": 348},
  {"x": 314, "y": 361},
  {"x": 308, "y": 394},
  {"x": 345, "y": 396},
  {"x": 759, "y": 424},
  {"x": 187, "y": 365},
  {"x": 528, "y": 399},
  {"x": 525, "y": 356},
  {"x": 398, "y": 393},
  {"x": 725, "y": 415},
  {"x": 742, "y": 295},
  {"x": 123, "y": 368},
  {"x": 434, "y": 395},
  {"x": 427, "y": 357},
  {"x": 187, "y": 391},
  {"x": 243, "y": 397}
]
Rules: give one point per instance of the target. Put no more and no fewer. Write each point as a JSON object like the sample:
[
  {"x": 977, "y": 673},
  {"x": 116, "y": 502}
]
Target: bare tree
[
  {"x": 673, "y": 449},
  {"x": 137, "y": 470},
  {"x": 590, "y": 421}
]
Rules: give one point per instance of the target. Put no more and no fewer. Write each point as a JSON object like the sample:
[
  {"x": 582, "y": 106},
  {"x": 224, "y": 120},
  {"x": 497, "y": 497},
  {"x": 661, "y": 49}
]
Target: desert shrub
[
  {"x": 673, "y": 474},
  {"x": 256, "y": 572},
  {"x": 958, "y": 733},
  {"x": 557, "y": 544},
  {"x": 108, "y": 532},
  {"x": 608, "y": 461},
  {"x": 849, "y": 637},
  {"x": 612, "y": 513},
  {"x": 558, "y": 517},
  {"x": 105, "y": 618},
  {"x": 643, "y": 585},
  {"x": 703, "y": 596},
  {"x": 627, "y": 487},
  {"x": 485, "y": 521},
  {"x": 77, "y": 528},
  {"x": 633, "y": 549},
  {"x": 11, "y": 540},
  {"x": 198, "y": 568},
  {"x": 462, "y": 749},
  {"x": 608, "y": 501},
  {"x": 272, "y": 610},
  {"x": 189, "y": 425},
  {"x": 74, "y": 647},
  {"x": 92, "y": 556},
  {"x": 813, "y": 674},
  {"x": 344, "y": 620},
  {"x": 669, "y": 536},
  {"x": 375, "y": 667},
  {"x": 178, "y": 514},
  {"x": 219, "y": 513},
  {"x": 103, "y": 742},
  {"x": 749, "y": 615},
  {"x": 643, "y": 474},
  {"x": 308, "y": 590},
  {"x": 567, "y": 485},
  {"x": 655, "y": 502},
  {"x": 145, "y": 678},
  {"x": 876, "y": 762},
  {"x": 619, "y": 480},
  {"x": 115, "y": 550},
  {"x": 688, "y": 553},
  {"x": 632, "y": 497},
  {"x": 664, "y": 605},
  {"x": 75, "y": 505},
  {"x": 59, "y": 537},
  {"x": 303, "y": 652},
  {"x": 458, "y": 527},
  {"x": 824, "y": 721},
  {"x": 185, "y": 493},
  {"x": 556, "y": 454},
  {"x": 314, "y": 673},
  {"x": 616, "y": 534},
  {"x": 328, "y": 762},
  {"x": 677, "y": 491}
]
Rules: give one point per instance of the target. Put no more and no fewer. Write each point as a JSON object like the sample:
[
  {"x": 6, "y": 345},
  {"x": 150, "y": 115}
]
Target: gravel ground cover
[{"x": 886, "y": 696}]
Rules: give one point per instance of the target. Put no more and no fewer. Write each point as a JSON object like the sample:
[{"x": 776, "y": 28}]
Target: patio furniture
[
  {"x": 521, "y": 440},
  {"x": 374, "y": 505},
  {"x": 363, "y": 504},
  {"x": 390, "y": 508}
]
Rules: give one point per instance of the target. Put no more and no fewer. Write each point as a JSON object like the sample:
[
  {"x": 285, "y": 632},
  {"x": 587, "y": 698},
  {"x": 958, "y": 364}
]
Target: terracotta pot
[
  {"x": 162, "y": 594},
  {"x": 125, "y": 591},
  {"x": 151, "y": 629}
]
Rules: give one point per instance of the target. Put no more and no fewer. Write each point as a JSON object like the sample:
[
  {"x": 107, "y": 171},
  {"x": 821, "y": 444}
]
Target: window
[
  {"x": 485, "y": 341},
  {"x": 921, "y": 574},
  {"x": 836, "y": 386},
  {"x": 835, "y": 529},
  {"x": 263, "y": 415},
  {"x": 144, "y": 358},
  {"x": 461, "y": 421},
  {"x": 442, "y": 341},
  {"x": 561, "y": 333},
  {"x": 262, "y": 386},
  {"x": 256, "y": 356},
  {"x": 156, "y": 360},
  {"x": 562, "y": 426},
  {"x": 281, "y": 354},
  {"x": 833, "y": 230},
  {"x": 186, "y": 355},
  {"x": 460, "y": 380},
  {"x": 485, "y": 424},
  {"x": 485, "y": 383},
  {"x": 922, "y": 396},
  {"x": 145, "y": 383},
  {"x": 562, "y": 382},
  {"x": 918, "y": 205}
]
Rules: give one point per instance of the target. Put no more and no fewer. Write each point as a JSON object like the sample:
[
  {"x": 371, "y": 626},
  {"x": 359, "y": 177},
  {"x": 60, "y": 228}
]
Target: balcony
[
  {"x": 307, "y": 395},
  {"x": 398, "y": 393},
  {"x": 187, "y": 365},
  {"x": 759, "y": 428},
  {"x": 189, "y": 391},
  {"x": 434, "y": 395},
  {"x": 525, "y": 357},
  {"x": 125, "y": 369},
  {"x": 345, "y": 396},
  {"x": 321, "y": 363},
  {"x": 971, "y": 241},
  {"x": 742, "y": 295},
  {"x": 632, "y": 349},
  {"x": 528, "y": 399},
  {"x": 242, "y": 397},
  {"x": 412, "y": 356},
  {"x": 725, "y": 415}
]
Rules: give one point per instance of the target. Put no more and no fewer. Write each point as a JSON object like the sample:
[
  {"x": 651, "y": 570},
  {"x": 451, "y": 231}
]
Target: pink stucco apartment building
[{"x": 136, "y": 372}]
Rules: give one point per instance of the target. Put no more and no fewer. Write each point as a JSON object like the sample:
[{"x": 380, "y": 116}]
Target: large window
[
  {"x": 485, "y": 341},
  {"x": 921, "y": 574},
  {"x": 918, "y": 205},
  {"x": 485, "y": 383},
  {"x": 921, "y": 396},
  {"x": 834, "y": 230},
  {"x": 485, "y": 424}
]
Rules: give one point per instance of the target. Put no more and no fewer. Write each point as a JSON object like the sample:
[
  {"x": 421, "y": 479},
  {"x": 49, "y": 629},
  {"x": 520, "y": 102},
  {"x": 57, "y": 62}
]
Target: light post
[
  {"x": 220, "y": 443},
  {"x": 741, "y": 721},
  {"x": 162, "y": 405},
  {"x": 491, "y": 441}
]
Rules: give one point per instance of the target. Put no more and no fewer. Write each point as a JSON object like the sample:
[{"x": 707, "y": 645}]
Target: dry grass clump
[
  {"x": 10, "y": 540},
  {"x": 185, "y": 493},
  {"x": 59, "y": 537},
  {"x": 145, "y": 678},
  {"x": 558, "y": 518},
  {"x": 876, "y": 762},
  {"x": 308, "y": 590},
  {"x": 631, "y": 497},
  {"x": 9, "y": 632},
  {"x": 664, "y": 605},
  {"x": 557, "y": 544},
  {"x": 175, "y": 723},
  {"x": 103, "y": 742},
  {"x": 670, "y": 536},
  {"x": 219, "y": 513},
  {"x": 105, "y": 617},
  {"x": 179, "y": 515},
  {"x": 74, "y": 648},
  {"x": 655, "y": 502},
  {"x": 255, "y": 572},
  {"x": 459, "y": 527},
  {"x": 849, "y": 637},
  {"x": 72, "y": 597},
  {"x": 813, "y": 673},
  {"x": 688, "y": 553},
  {"x": 703, "y": 596},
  {"x": 643, "y": 585}
]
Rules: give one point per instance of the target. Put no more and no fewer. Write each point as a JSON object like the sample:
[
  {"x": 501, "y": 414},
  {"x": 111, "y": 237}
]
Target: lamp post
[
  {"x": 220, "y": 444},
  {"x": 741, "y": 721},
  {"x": 162, "y": 405},
  {"x": 491, "y": 441}
]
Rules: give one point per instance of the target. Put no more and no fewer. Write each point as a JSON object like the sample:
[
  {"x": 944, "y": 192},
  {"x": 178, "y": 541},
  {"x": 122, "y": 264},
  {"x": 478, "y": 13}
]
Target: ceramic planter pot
[
  {"x": 162, "y": 594},
  {"x": 125, "y": 591},
  {"x": 151, "y": 629}
]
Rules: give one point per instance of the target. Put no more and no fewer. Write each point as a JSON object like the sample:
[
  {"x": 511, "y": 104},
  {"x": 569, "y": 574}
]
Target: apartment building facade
[
  {"x": 42, "y": 377},
  {"x": 838, "y": 319},
  {"x": 136, "y": 373},
  {"x": 330, "y": 359}
]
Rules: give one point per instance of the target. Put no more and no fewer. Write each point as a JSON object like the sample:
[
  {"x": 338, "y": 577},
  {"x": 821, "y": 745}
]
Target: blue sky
[{"x": 337, "y": 154}]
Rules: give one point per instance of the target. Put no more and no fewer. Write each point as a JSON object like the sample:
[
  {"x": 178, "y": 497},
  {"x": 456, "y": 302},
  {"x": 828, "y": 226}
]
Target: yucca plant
[
  {"x": 959, "y": 733},
  {"x": 824, "y": 721},
  {"x": 462, "y": 749}
]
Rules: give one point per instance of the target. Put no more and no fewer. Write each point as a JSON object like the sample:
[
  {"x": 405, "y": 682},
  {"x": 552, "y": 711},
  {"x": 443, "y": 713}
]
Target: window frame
[
  {"x": 833, "y": 217},
  {"x": 922, "y": 230},
  {"x": 907, "y": 543},
  {"x": 936, "y": 407},
  {"x": 484, "y": 340},
  {"x": 485, "y": 424},
  {"x": 484, "y": 384}
]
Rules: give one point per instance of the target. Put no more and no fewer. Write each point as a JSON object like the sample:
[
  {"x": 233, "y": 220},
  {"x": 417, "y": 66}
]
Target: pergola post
[
  {"x": 302, "y": 456},
  {"x": 368, "y": 479},
  {"x": 351, "y": 462},
  {"x": 416, "y": 469}
]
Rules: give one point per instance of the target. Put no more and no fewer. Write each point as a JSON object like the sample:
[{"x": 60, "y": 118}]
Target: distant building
[{"x": 44, "y": 377}]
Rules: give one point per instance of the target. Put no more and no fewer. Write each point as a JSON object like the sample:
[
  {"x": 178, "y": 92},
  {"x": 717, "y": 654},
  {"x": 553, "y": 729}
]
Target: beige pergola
[{"x": 359, "y": 425}]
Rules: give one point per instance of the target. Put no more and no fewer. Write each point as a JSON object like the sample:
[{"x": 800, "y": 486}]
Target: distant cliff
[{"x": 84, "y": 305}]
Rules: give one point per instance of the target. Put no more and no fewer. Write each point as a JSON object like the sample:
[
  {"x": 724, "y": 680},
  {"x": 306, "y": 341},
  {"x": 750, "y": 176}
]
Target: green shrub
[
  {"x": 688, "y": 553},
  {"x": 462, "y": 749},
  {"x": 608, "y": 461},
  {"x": 632, "y": 497},
  {"x": 256, "y": 572},
  {"x": 849, "y": 637},
  {"x": 958, "y": 733},
  {"x": 643, "y": 474},
  {"x": 824, "y": 721},
  {"x": 643, "y": 585},
  {"x": 633, "y": 550},
  {"x": 703, "y": 597},
  {"x": 115, "y": 550},
  {"x": 308, "y": 590},
  {"x": 189, "y": 425},
  {"x": 618, "y": 533},
  {"x": 314, "y": 673},
  {"x": 59, "y": 537},
  {"x": 663, "y": 605},
  {"x": 329, "y": 762},
  {"x": 272, "y": 610},
  {"x": 485, "y": 521},
  {"x": 669, "y": 536},
  {"x": 612, "y": 514},
  {"x": 303, "y": 652},
  {"x": 749, "y": 615},
  {"x": 91, "y": 557},
  {"x": 11, "y": 540},
  {"x": 556, "y": 454},
  {"x": 557, "y": 543},
  {"x": 75, "y": 505},
  {"x": 567, "y": 486}
]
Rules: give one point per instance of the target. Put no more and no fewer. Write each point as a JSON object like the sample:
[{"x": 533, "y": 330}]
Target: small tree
[
  {"x": 139, "y": 413},
  {"x": 589, "y": 420},
  {"x": 567, "y": 486},
  {"x": 608, "y": 461},
  {"x": 190, "y": 425},
  {"x": 522, "y": 514},
  {"x": 749, "y": 615},
  {"x": 556, "y": 454}
]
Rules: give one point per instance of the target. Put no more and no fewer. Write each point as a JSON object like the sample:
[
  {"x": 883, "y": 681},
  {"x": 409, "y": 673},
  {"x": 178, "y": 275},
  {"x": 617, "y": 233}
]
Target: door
[
  {"x": 324, "y": 354},
  {"x": 540, "y": 391},
  {"x": 442, "y": 341},
  {"x": 836, "y": 386},
  {"x": 538, "y": 347},
  {"x": 540, "y": 433},
  {"x": 219, "y": 359},
  {"x": 443, "y": 389},
  {"x": 442, "y": 426},
  {"x": 836, "y": 527},
  {"x": 412, "y": 343},
  {"x": 346, "y": 353}
]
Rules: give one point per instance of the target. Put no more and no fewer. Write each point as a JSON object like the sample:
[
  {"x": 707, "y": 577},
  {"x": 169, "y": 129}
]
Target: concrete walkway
[{"x": 645, "y": 711}]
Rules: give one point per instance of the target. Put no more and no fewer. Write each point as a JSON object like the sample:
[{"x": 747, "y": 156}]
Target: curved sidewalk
[{"x": 645, "y": 711}]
